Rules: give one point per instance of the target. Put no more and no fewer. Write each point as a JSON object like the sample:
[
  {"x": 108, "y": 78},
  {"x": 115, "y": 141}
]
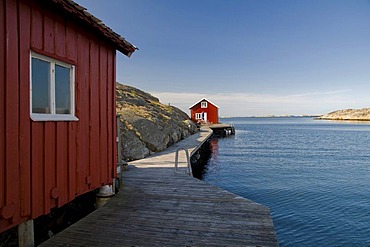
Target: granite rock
[
  {"x": 146, "y": 125},
  {"x": 348, "y": 114}
]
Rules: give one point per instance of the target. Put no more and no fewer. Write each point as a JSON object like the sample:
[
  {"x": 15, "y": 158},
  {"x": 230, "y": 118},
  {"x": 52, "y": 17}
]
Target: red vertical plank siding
[
  {"x": 37, "y": 171},
  {"x": 2, "y": 107},
  {"x": 47, "y": 164},
  {"x": 72, "y": 161},
  {"x": 36, "y": 29},
  {"x": 212, "y": 113},
  {"x": 82, "y": 111},
  {"x": 111, "y": 89},
  {"x": 94, "y": 168},
  {"x": 211, "y": 110},
  {"x": 103, "y": 85},
  {"x": 48, "y": 34},
  {"x": 59, "y": 192},
  {"x": 12, "y": 111},
  {"x": 24, "y": 95},
  {"x": 60, "y": 36},
  {"x": 37, "y": 129},
  {"x": 71, "y": 42},
  {"x": 71, "y": 53},
  {"x": 114, "y": 128}
]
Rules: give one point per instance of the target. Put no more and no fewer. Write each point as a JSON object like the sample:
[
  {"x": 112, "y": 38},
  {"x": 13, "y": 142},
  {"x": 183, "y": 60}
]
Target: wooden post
[
  {"x": 119, "y": 149},
  {"x": 118, "y": 140},
  {"x": 26, "y": 234}
]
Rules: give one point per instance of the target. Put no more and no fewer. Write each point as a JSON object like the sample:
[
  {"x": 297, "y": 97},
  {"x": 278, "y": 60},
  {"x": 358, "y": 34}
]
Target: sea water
[{"x": 314, "y": 175}]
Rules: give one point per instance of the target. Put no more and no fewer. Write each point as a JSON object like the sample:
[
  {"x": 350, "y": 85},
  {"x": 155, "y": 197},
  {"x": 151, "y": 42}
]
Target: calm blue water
[{"x": 314, "y": 175}]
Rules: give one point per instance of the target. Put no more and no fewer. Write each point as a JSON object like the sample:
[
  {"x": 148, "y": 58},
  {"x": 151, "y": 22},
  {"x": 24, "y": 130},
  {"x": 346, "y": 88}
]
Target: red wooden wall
[
  {"x": 211, "y": 110},
  {"x": 47, "y": 164}
]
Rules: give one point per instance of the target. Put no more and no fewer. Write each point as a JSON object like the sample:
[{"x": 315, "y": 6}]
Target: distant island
[
  {"x": 348, "y": 114},
  {"x": 274, "y": 116}
]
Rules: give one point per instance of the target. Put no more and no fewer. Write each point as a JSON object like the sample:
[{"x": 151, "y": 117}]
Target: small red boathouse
[
  {"x": 205, "y": 112},
  {"x": 57, "y": 106}
]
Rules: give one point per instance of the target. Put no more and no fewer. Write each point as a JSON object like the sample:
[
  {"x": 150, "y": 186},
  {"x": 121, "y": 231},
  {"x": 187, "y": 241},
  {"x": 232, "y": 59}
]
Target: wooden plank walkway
[
  {"x": 222, "y": 129},
  {"x": 157, "y": 207}
]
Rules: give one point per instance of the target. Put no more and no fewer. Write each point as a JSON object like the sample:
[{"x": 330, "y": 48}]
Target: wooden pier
[
  {"x": 158, "y": 207},
  {"x": 222, "y": 129}
]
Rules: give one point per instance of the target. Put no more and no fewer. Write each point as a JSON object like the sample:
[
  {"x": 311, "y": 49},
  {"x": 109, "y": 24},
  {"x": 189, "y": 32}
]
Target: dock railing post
[
  {"x": 189, "y": 170},
  {"x": 119, "y": 151}
]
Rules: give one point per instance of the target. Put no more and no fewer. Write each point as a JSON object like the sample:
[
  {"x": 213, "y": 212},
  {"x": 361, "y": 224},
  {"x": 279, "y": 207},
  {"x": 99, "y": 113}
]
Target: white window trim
[
  {"x": 53, "y": 116},
  {"x": 198, "y": 116},
  {"x": 203, "y": 104}
]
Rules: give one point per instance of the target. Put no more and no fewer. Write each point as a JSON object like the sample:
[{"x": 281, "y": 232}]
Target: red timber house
[
  {"x": 204, "y": 112},
  {"x": 57, "y": 106}
]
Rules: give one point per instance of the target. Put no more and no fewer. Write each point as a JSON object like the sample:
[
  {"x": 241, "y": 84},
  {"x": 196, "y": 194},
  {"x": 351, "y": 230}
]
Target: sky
[{"x": 249, "y": 57}]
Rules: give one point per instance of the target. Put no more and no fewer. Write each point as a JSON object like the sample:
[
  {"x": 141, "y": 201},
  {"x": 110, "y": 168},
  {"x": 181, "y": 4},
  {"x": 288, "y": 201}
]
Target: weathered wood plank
[
  {"x": 82, "y": 110},
  {"x": 2, "y": 104},
  {"x": 72, "y": 160},
  {"x": 61, "y": 174},
  {"x": 37, "y": 205},
  {"x": 11, "y": 120},
  {"x": 157, "y": 207},
  {"x": 49, "y": 172},
  {"x": 94, "y": 115},
  {"x": 24, "y": 110}
]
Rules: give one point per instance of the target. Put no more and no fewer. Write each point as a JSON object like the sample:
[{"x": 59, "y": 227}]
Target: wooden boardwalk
[
  {"x": 157, "y": 207},
  {"x": 222, "y": 129}
]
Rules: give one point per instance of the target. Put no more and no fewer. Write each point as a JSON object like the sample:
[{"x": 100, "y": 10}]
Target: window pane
[
  {"x": 62, "y": 90},
  {"x": 40, "y": 86}
]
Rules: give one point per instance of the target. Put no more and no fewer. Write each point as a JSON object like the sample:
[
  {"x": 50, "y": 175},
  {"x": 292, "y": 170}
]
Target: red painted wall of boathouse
[
  {"x": 211, "y": 110},
  {"x": 47, "y": 164}
]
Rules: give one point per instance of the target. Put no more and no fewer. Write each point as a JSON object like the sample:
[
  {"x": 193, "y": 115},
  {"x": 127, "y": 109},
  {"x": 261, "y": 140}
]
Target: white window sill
[{"x": 53, "y": 117}]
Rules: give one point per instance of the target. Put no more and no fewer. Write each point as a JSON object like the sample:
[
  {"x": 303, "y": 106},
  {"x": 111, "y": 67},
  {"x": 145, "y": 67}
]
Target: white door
[{"x": 204, "y": 117}]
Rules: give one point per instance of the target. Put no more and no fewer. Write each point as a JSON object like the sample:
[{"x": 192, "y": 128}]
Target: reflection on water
[
  {"x": 214, "y": 148},
  {"x": 314, "y": 176}
]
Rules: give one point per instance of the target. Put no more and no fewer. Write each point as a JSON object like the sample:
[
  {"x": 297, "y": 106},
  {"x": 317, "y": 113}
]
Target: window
[
  {"x": 52, "y": 89},
  {"x": 203, "y": 104},
  {"x": 198, "y": 116}
]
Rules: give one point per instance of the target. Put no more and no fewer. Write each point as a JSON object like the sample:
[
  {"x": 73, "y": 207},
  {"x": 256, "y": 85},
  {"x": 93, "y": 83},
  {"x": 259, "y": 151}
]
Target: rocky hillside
[
  {"x": 348, "y": 114},
  {"x": 147, "y": 126}
]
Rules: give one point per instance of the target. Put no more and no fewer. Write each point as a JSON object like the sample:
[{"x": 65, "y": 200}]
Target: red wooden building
[
  {"x": 57, "y": 106},
  {"x": 204, "y": 111}
]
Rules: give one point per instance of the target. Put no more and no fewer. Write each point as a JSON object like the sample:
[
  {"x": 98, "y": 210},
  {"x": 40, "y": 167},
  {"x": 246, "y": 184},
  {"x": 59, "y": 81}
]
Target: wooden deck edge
[
  {"x": 154, "y": 208},
  {"x": 206, "y": 138}
]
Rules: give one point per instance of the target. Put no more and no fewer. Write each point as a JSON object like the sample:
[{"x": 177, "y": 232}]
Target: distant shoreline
[
  {"x": 348, "y": 115},
  {"x": 277, "y": 116},
  {"x": 343, "y": 119}
]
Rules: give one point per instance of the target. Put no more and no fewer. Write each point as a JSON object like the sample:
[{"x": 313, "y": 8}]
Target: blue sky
[{"x": 250, "y": 57}]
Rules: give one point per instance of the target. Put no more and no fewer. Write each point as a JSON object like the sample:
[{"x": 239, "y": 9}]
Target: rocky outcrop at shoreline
[
  {"x": 147, "y": 126},
  {"x": 348, "y": 114}
]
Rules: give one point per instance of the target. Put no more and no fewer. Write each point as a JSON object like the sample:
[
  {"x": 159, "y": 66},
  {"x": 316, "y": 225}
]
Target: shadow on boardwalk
[{"x": 157, "y": 207}]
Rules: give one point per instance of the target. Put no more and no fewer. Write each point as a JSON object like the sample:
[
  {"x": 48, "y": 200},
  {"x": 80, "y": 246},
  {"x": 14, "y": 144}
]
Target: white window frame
[
  {"x": 53, "y": 116},
  {"x": 199, "y": 116},
  {"x": 203, "y": 104}
]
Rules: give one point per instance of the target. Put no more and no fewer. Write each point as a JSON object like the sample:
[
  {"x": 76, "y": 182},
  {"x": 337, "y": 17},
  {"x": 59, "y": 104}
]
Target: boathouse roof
[
  {"x": 82, "y": 15},
  {"x": 204, "y": 99}
]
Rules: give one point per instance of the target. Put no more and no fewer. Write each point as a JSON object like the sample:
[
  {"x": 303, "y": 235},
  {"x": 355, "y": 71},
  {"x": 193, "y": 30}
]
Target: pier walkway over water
[{"x": 157, "y": 207}]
